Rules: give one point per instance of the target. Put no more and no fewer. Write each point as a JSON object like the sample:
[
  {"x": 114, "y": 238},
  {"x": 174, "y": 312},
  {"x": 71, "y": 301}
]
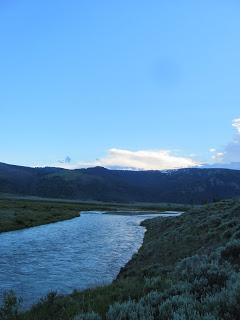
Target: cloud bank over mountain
[
  {"x": 115, "y": 158},
  {"x": 146, "y": 160}
]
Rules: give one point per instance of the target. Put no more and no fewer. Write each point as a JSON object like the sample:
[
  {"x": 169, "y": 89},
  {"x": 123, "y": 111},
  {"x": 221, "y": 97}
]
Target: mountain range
[{"x": 193, "y": 186}]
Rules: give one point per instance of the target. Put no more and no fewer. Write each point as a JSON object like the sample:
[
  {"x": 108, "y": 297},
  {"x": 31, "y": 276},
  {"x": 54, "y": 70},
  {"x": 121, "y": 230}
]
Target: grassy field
[
  {"x": 24, "y": 213},
  {"x": 188, "y": 268},
  {"x": 19, "y": 214}
]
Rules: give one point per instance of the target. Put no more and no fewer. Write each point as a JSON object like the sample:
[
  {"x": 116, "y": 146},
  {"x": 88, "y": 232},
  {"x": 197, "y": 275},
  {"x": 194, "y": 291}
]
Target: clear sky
[{"x": 152, "y": 82}]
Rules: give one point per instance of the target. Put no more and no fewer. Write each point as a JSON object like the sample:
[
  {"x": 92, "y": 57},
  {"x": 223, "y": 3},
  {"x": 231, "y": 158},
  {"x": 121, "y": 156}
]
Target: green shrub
[
  {"x": 231, "y": 252},
  {"x": 10, "y": 307},
  {"x": 87, "y": 316},
  {"x": 53, "y": 307},
  {"x": 130, "y": 311},
  {"x": 204, "y": 274},
  {"x": 185, "y": 305},
  {"x": 156, "y": 283},
  {"x": 226, "y": 303}
]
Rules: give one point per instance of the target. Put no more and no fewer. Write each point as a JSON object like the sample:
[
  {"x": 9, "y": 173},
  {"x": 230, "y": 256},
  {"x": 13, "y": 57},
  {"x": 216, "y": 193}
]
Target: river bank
[
  {"x": 163, "y": 280},
  {"x": 21, "y": 213}
]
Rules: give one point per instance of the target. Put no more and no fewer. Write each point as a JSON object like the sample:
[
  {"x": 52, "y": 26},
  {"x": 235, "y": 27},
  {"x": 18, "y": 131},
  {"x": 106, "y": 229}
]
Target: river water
[{"x": 75, "y": 254}]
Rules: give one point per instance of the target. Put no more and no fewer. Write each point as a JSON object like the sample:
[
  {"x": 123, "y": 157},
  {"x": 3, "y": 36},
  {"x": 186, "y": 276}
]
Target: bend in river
[{"x": 74, "y": 254}]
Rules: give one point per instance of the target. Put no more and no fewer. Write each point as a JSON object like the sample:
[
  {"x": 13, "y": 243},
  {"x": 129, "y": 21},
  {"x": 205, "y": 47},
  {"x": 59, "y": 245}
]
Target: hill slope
[{"x": 194, "y": 186}]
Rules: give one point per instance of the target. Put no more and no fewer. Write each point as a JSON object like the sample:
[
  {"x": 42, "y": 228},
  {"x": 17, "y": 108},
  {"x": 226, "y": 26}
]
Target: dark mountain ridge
[{"x": 194, "y": 186}]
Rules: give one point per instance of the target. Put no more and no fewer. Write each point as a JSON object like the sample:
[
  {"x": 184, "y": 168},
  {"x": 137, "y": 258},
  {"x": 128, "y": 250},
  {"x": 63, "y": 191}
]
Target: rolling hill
[{"x": 194, "y": 186}]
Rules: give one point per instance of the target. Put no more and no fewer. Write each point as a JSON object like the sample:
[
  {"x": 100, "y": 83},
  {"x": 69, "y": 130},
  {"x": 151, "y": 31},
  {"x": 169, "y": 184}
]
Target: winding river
[{"x": 75, "y": 254}]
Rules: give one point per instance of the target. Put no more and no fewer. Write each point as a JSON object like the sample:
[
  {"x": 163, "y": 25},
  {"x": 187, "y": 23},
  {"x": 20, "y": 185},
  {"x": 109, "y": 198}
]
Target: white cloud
[
  {"x": 231, "y": 151},
  {"x": 236, "y": 124},
  {"x": 218, "y": 156},
  {"x": 137, "y": 160},
  {"x": 212, "y": 150},
  {"x": 146, "y": 159}
]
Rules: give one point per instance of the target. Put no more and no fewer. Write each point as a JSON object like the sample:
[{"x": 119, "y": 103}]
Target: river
[{"x": 74, "y": 254}]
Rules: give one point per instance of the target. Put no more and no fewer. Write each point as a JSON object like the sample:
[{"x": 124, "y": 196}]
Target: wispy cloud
[
  {"x": 236, "y": 124},
  {"x": 137, "y": 160},
  {"x": 230, "y": 152}
]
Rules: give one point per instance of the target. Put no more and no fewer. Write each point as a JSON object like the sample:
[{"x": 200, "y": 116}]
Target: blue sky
[{"x": 119, "y": 81}]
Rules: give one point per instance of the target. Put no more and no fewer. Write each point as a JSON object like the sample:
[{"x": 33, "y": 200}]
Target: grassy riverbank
[
  {"x": 19, "y": 214},
  {"x": 187, "y": 268},
  {"x": 24, "y": 213}
]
